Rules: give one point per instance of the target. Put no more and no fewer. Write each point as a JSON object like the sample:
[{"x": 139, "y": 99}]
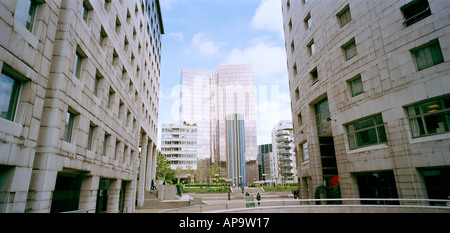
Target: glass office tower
[{"x": 207, "y": 98}]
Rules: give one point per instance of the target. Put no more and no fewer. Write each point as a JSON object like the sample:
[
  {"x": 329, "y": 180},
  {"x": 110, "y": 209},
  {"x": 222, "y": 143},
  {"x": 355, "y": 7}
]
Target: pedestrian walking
[{"x": 258, "y": 197}]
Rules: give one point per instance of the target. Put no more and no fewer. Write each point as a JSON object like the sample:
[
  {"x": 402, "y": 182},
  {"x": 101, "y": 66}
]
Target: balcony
[
  {"x": 283, "y": 145},
  {"x": 283, "y": 151},
  {"x": 283, "y": 139},
  {"x": 282, "y": 132}
]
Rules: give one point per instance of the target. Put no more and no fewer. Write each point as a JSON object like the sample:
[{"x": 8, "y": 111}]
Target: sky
[{"x": 203, "y": 34}]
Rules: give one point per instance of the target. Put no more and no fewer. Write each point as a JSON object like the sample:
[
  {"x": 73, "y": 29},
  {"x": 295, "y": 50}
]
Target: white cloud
[
  {"x": 204, "y": 46},
  {"x": 268, "y": 61},
  {"x": 177, "y": 35},
  {"x": 268, "y": 17}
]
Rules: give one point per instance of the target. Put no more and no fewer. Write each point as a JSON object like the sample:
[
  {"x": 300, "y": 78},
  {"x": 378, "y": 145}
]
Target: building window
[
  {"x": 350, "y": 49},
  {"x": 26, "y": 12},
  {"x": 430, "y": 117},
  {"x": 428, "y": 55},
  {"x": 415, "y": 11},
  {"x": 312, "y": 47},
  {"x": 307, "y": 21},
  {"x": 314, "y": 76},
  {"x": 290, "y": 25},
  {"x": 297, "y": 94},
  {"x": 105, "y": 143},
  {"x": 9, "y": 95},
  {"x": 344, "y": 16},
  {"x": 299, "y": 119},
  {"x": 86, "y": 11},
  {"x": 295, "y": 69},
  {"x": 323, "y": 117},
  {"x": 366, "y": 132},
  {"x": 356, "y": 86},
  {"x": 304, "y": 148},
  {"x": 292, "y": 47},
  {"x": 110, "y": 98},
  {"x": 103, "y": 36},
  {"x": 90, "y": 137},
  {"x": 70, "y": 117},
  {"x": 77, "y": 65},
  {"x": 97, "y": 84}
]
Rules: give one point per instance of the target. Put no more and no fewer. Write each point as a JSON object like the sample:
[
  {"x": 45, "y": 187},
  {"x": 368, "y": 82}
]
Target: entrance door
[
  {"x": 66, "y": 195},
  {"x": 377, "y": 185},
  {"x": 102, "y": 196},
  {"x": 437, "y": 181}
]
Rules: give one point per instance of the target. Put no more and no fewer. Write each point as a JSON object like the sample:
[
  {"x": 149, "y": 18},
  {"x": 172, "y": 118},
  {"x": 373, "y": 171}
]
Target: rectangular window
[
  {"x": 77, "y": 65},
  {"x": 85, "y": 12},
  {"x": 9, "y": 95},
  {"x": 97, "y": 84},
  {"x": 430, "y": 117},
  {"x": 428, "y": 55},
  {"x": 366, "y": 132},
  {"x": 105, "y": 143},
  {"x": 344, "y": 16},
  {"x": 103, "y": 36},
  {"x": 304, "y": 148},
  {"x": 90, "y": 137},
  {"x": 307, "y": 21},
  {"x": 69, "y": 127},
  {"x": 415, "y": 11},
  {"x": 350, "y": 50},
  {"x": 356, "y": 86},
  {"x": 323, "y": 117},
  {"x": 314, "y": 75},
  {"x": 110, "y": 98},
  {"x": 312, "y": 47},
  {"x": 26, "y": 12}
]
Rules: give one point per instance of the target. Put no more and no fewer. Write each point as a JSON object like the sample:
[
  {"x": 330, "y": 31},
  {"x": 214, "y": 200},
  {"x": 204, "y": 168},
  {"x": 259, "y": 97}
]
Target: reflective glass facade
[{"x": 208, "y": 97}]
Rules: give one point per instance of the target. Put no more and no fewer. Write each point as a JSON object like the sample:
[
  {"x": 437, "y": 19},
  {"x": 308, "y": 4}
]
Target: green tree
[{"x": 163, "y": 169}]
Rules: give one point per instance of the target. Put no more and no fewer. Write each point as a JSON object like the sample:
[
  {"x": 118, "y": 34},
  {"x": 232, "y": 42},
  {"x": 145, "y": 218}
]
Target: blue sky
[{"x": 202, "y": 34}]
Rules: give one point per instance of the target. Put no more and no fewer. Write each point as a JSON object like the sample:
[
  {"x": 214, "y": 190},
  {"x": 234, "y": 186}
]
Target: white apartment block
[
  {"x": 79, "y": 91},
  {"x": 370, "y": 92},
  {"x": 283, "y": 155},
  {"x": 179, "y": 145}
]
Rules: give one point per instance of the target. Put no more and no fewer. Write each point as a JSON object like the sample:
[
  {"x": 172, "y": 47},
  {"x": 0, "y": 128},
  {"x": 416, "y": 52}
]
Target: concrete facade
[
  {"x": 354, "y": 62},
  {"x": 88, "y": 74},
  {"x": 179, "y": 145}
]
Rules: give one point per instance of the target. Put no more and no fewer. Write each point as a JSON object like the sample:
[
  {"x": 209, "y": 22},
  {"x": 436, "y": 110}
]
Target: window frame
[
  {"x": 69, "y": 126},
  {"x": 32, "y": 6},
  {"x": 344, "y": 12},
  {"x": 351, "y": 85},
  {"x": 428, "y": 47},
  {"x": 419, "y": 113},
  {"x": 353, "y": 142},
  {"x": 14, "y": 96},
  {"x": 418, "y": 16},
  {"x": 350, "y": 52}
]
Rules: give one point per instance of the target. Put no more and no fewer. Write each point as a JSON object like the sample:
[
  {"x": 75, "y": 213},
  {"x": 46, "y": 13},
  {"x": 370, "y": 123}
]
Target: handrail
[
  {"x": 312, "y": 202},
  {"x": 78, "y": 211}
]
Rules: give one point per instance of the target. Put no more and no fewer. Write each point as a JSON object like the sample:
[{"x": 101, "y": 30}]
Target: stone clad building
[
  {"x": 370, "y": 92},
  {"x": 79, "y": 91}
]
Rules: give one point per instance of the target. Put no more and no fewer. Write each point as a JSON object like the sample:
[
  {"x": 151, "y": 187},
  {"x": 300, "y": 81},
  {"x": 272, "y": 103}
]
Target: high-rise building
[
  {"x": 208, "y": 97},
  {"x": 370, "y": 92},
  {"x": 284, "y": 152},
  {"x": 235, "y": 149},
  {"x": 179, "y": 145},
  {"x": 265, "y": 167},
  {"x": 79, "y": 91}
]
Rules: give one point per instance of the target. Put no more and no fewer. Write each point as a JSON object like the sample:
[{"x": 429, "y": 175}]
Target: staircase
[{"x": 151, "y": 201}]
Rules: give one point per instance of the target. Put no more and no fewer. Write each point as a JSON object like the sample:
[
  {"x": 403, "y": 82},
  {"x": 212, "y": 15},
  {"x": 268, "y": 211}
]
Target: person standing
[{"x": 258, "y": 197}]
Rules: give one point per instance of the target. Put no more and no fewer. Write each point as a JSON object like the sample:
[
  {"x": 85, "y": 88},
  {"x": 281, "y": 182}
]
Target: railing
[
  {"x": 79, "y": 211},
  {"x": 236, "y": 206}
]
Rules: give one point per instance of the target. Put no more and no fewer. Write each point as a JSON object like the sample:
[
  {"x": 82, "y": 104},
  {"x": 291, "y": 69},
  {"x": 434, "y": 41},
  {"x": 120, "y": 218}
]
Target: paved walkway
[{"x": 209, "y": 199}]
